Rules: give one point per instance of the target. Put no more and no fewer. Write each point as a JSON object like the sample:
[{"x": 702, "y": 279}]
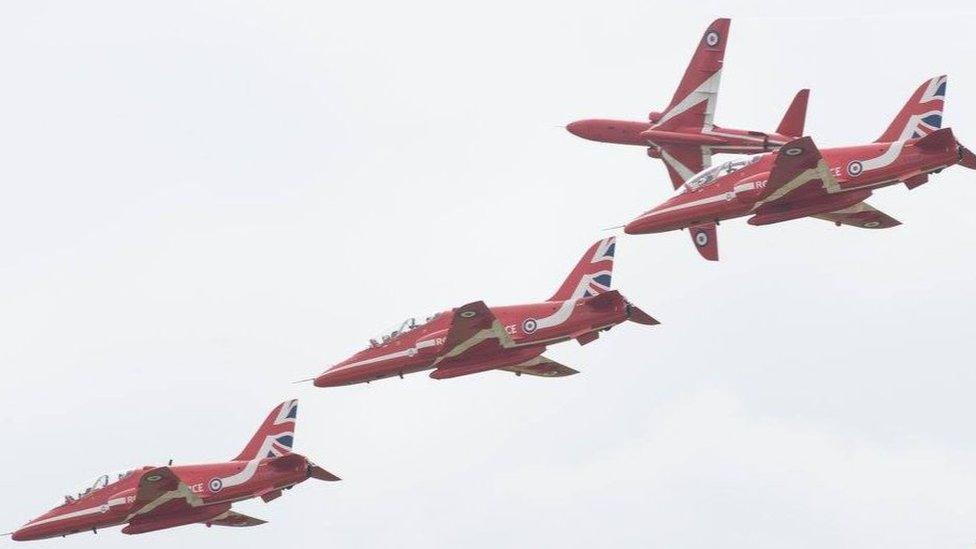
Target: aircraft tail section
[
  {"x": 295, "y": 461},
  {"x": 967, "y": 158},
  {"x": 937, "y": 140},
  {"x": 796, "y": 115},
  {"x": 592, "y": 275},
  {"x": 693, "y": 104},
  {"x": 943, "y": 141},
  {"x": 921, "y": 115},
  {"x": 275, "y": 436}
]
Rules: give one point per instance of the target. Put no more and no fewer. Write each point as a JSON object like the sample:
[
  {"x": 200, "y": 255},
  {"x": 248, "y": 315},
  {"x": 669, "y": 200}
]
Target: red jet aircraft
[
  {"x": 799, "y": 180},
  {"x": 153, "y": 498},
  {"x": 684, "y": 136},
  {"x": 474, "y": 338}
]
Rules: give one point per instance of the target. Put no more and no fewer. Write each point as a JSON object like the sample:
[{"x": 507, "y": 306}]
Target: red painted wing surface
[
  {"x": 541, "y": 366},
  {"x": 861, "y": 215}
]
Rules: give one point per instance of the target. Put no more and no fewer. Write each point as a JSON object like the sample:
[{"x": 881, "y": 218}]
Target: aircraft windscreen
[
  {"x": 711, "y": 175},
  {"x": 98, "y": 484},
  {"x": 407, "y": 325}
]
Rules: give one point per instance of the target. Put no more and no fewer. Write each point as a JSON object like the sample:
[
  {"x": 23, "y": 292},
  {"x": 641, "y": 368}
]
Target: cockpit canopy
[
  {"x": 710, "y": 175},
  {"x": 407, "y": 325},
  {"x": 100, "y": 482}
]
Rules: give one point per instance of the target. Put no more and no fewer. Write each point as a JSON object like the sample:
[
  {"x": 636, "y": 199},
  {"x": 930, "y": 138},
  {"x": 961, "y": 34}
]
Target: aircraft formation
[
  {"x": 778, "y": 176},
  {"x": 787, "y": 177}
]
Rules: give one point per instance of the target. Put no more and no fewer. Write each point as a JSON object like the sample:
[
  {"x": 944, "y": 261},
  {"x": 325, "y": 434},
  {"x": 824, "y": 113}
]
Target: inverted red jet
[
  {"x": 474, "y": 338},
  {"x": 684, "y": 135},
  {"x": 153, "y": 498},
  {"x": 799, "y": 180}
]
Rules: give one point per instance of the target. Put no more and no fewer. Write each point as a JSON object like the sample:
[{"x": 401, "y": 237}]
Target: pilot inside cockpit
[
  {"x": 407, "y": 325},
  {"x": 710, "y": 175},
  {"x": 100, "y": 482}
]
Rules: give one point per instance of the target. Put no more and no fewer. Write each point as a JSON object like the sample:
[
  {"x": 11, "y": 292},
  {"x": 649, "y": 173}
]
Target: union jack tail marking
[
  {"x": 592, "y": 275},
  {"x": 275, "y": 436},
  {"x": 921, "y": 115}
]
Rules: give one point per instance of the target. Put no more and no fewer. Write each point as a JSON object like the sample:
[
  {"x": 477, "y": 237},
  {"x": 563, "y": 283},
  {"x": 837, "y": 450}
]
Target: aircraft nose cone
[
  {"x": 321, "y": 381},
  {"x": 577, "y": 128},
  {"x": 324, "y": 380},
  {"x": 632, "y": 228},
  {"x": 641, "y": 225},
  {"x": 331, "y": 378},
  {"x": 24, "y": 534}
]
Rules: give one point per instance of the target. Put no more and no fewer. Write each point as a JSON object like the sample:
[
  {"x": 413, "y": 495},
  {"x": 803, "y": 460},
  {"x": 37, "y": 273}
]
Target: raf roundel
[
  {"x": 712, "y": 38},
  {"x": 793, "y": 151},
  {"x": 154, "y": 478},
  {"x": 215, "y": 485},
  {"x": 529, "y": 325},
  {"x": 467, "y": 314},
  {"x": 855, "y": 168},
  {"x": 701, "y": 238},
  {"x": 871, "y": 224}
]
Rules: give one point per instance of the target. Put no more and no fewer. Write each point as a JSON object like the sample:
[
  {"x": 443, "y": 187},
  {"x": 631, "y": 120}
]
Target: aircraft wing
[
  {"x": 161, "y": 491},
  {"x": 799, "y": 171},
  {"x": 237, "y": 520},
  {"x": 861, "y": 215},
  {"x": 693, "y": 104},
  {"x": 541, "y": 366},
  {"x": 684, "y": 161},
  {"x": 473, "y": 325}
]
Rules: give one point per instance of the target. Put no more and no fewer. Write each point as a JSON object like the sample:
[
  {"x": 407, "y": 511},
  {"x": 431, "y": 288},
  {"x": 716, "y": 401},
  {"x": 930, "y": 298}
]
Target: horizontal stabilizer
[
  {"x": 635, "y": 314},
  {"x": 967, "y": 158},
  {"x": 319, "y": 473}
]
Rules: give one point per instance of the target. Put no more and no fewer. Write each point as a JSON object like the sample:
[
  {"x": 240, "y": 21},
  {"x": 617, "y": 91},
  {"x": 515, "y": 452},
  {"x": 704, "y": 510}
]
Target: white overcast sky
[{"x": 203, "y": 201}]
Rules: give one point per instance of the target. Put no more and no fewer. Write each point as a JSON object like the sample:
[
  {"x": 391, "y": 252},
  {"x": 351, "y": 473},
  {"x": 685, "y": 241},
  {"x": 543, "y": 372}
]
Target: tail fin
[
  {"x": 592, "y": 274},
  {"x": 275, "y": 436},
  {"x": 796, "y": 115},
  {"x": 921, "y": 115},
  {"x": 693, "y": 104}
]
